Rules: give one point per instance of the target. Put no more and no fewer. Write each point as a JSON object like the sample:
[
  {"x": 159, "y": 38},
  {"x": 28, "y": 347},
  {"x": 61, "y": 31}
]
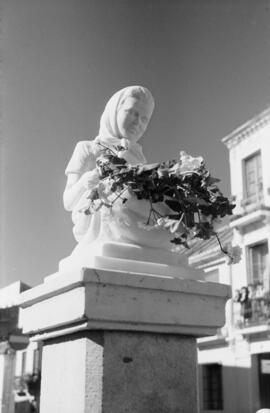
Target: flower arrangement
[{"x": 185, "y": 186}]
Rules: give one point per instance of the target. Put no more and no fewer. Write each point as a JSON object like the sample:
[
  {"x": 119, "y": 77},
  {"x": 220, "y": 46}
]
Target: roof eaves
[{"x": 248, "y": 128}]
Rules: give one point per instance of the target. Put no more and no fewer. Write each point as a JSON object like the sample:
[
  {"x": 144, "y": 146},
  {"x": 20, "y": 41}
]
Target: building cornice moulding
[{"x": 247, "y": 129}]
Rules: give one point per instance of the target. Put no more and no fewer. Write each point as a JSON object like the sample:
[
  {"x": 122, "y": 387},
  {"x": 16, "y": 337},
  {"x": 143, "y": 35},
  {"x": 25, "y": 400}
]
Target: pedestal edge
[{"x": 60, "y": 283}]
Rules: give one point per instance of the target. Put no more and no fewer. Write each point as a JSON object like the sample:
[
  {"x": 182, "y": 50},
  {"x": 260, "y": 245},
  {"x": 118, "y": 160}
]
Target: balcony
[
  {"x": 251, "y": 310},
  {"x": 258, "y": 212}
]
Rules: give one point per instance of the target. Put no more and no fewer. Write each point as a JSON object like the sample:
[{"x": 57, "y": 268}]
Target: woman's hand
[
  {"x": 125, "y": 143},
  {"x": 90, "y": 178},
  {"x": 76, "y": 186}
]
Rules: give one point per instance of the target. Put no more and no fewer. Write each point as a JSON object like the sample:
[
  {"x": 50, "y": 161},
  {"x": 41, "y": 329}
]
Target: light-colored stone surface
[
  {"x": 125, "y": 257},
  {"x": 120, "y": 301},
  {"x": 149, "y": 373},
  {"x": 119, "y": 372},
  {"x": 72, "y": 373},
  {"x": 9, "y": 295}
]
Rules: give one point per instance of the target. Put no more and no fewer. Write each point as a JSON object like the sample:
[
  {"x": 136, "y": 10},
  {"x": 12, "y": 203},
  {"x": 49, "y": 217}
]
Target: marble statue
[{"x": 115, "y": 232}]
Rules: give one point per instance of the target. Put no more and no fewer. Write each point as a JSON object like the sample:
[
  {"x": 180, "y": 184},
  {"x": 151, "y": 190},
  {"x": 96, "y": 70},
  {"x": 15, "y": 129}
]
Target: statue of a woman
[{"x": 123, "y": 122}]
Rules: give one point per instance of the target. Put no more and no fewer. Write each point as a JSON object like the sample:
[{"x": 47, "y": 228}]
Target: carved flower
[{"x": 186, "y": 164}]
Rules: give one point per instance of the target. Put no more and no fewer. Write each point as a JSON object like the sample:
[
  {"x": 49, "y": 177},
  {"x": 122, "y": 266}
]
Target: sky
[{"x": 207, "y": 64}]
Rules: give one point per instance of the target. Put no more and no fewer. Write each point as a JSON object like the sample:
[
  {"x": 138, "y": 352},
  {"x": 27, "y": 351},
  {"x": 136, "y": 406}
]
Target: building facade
[
  {"x": 19, "y": 359},
  {"x": 234, "y": 366}
]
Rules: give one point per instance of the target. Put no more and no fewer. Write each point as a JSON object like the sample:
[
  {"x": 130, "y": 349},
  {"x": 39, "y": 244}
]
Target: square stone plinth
[
  {"x": 116, "y": 342},
  {"x": 119, "y": 372}
]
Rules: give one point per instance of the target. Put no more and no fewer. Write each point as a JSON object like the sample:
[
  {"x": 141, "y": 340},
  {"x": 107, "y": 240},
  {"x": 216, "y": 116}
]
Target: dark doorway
[{"x": 264, "y": 379}]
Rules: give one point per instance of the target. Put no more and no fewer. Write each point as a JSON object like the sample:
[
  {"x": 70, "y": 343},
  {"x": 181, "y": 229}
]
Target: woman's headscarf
[{"x": 109, "y": 133}]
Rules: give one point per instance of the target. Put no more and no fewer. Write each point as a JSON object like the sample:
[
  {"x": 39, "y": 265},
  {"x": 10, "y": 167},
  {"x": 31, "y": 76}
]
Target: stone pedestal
[{"x": 119, "y": 342}]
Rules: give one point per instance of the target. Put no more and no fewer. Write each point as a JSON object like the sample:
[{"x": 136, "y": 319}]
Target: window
[
  {"x": 258, "y": 262},
  {"x": 253, "y": 178},
  {"x": 212, "y": 387}
]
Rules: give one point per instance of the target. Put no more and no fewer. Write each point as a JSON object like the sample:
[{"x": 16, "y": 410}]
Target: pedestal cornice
[{"x": 109, "y": 300}]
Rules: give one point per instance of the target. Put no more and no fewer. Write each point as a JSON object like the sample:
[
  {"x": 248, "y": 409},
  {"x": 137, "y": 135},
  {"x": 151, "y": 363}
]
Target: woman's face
[{"x": 133, "y": 117}]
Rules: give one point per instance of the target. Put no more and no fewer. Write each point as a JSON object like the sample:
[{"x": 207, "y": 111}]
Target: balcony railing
[{"x": 251, "y": 306}]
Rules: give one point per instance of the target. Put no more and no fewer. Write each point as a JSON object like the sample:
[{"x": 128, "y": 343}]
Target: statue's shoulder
[
  {"x": 83, "y": 157},
  {"x": 86, "y": 148}
]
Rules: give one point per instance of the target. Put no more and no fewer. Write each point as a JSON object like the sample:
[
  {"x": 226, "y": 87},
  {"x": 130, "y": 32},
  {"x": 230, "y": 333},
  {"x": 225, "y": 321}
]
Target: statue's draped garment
[{"x": 122, "y": 222}]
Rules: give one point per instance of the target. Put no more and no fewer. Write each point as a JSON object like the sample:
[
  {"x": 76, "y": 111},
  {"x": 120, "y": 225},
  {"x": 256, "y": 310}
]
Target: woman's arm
[{"x": 76, "y": 186}]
